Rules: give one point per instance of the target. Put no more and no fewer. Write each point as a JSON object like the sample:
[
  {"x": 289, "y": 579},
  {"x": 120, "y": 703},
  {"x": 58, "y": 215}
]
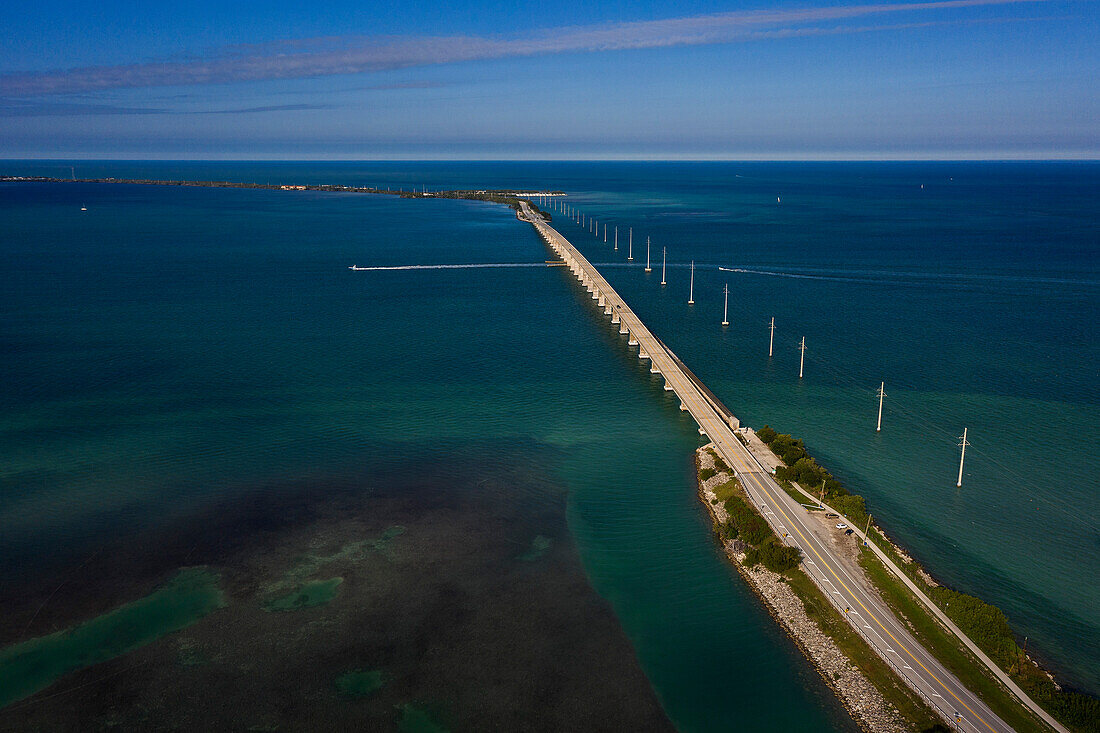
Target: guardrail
[{"x": 949, "y": 716}]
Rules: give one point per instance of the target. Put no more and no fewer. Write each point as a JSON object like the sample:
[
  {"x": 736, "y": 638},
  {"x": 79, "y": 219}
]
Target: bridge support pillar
[
  {"x": 642, "y": 354},
  {"x": 632, "y": 341},
  {"x": 623, "y": 330},
  {"x": 653, "y": 368},
  {"x": 683, "y": 407},
  {"x": 607, "y": 309},
  {"x": 615, "y": 319}
]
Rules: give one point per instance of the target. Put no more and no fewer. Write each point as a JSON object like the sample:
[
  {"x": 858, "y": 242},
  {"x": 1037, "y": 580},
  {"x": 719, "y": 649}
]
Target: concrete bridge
[{"x": 859, "y": 604}]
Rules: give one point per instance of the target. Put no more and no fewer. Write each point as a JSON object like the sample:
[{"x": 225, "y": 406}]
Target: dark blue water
[{"x": 171, "y": 346}]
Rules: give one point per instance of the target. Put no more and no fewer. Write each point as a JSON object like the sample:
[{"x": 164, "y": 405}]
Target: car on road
[
  {"x": 831, "y": 516},
  {"x": 841, "y": 525}
]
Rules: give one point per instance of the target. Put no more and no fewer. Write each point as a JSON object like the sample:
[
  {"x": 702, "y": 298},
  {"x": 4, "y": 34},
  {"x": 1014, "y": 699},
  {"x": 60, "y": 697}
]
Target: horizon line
[{"x": 1089, "y": 158}]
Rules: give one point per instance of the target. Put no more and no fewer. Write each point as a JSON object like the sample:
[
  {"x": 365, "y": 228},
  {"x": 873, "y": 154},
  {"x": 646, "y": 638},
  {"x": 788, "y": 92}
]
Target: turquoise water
[{"x": 175, "y": 346}]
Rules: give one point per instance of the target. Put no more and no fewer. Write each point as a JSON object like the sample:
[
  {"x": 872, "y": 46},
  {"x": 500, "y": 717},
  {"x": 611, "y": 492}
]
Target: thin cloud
[
  {"x": 269, "y": 108},
  {"x": 303, "y": 58},
  {"x": 10, "y": 108},
  {"x": 34, "y": 108}
]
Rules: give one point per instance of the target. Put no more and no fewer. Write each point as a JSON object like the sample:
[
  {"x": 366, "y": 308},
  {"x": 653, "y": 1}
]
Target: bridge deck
[{"x": 862, "y": 608}]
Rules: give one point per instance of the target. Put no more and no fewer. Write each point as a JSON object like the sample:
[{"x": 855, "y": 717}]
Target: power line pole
[
  {"x": 771, "y": 339},
  {"x": 726, "y": 307},
  {"x": 962, "y": 457},
  {"x": 802, "y": 359},
  {"x": 605, "y": 232},
  {"x": 881, "y": 394},
  {"x": 630, "y": 251},
  {"x": 616, "y": 238},
  {"x": 691, "y": 293},
  {"x": 647, "y": 267},
  {"x": 664, "y": 260}
]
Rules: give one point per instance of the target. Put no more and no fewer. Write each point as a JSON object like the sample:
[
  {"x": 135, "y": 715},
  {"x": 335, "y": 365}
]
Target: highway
[{"x": 957, "y": 705}]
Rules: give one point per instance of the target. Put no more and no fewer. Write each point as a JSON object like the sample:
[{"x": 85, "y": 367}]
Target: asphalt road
[{"x": 867, "y": 614}]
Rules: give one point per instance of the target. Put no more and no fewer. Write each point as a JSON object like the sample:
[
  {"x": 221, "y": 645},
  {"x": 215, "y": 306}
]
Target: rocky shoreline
[{"x": 864, "y": 702}]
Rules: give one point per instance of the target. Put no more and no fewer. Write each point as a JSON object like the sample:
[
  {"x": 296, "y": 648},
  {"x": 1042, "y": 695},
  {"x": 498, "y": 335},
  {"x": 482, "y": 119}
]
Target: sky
[{"x": 602, "y": 79}]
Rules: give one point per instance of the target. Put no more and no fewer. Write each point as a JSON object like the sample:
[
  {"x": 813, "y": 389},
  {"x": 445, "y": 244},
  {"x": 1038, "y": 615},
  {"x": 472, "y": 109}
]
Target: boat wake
[
  {"x": 472, "y": 266},
  {"x": 924, "y": 279}
]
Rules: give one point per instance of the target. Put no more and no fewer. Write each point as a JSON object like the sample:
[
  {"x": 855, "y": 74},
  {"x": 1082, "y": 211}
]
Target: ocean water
[{"x": 170, "y": 348}]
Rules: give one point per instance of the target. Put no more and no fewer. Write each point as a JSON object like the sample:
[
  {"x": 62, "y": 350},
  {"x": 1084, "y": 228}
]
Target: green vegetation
[
  {"x": 29, "y": 666},
  {"x": 803, "y": 469},
  {"x": 833, "y": 625},
  {"x": 721, "y": 465},
  {"x": 360, "y": 682},
  {"x": 508, "y": 198},
  {"x": 948, "y": 649},
  {"x": 725, "y": 491},
  {"x": 775, "y": 556},
  {"x": 707, "y": 473},
  {"x": 751, "y": 527},
  {"x": 769, "y": 551},
  {"x": 986, "y": 625}
]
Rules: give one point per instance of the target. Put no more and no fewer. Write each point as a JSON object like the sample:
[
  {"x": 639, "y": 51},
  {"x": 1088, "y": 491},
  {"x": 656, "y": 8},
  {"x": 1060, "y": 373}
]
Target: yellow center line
[
  {"x": 872, "y": 615},
  {"x": 693, "y": 399}
]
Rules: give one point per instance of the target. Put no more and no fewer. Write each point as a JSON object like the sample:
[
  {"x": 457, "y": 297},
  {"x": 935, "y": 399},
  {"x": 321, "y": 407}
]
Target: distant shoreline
[{"x": 493, "y": 195}]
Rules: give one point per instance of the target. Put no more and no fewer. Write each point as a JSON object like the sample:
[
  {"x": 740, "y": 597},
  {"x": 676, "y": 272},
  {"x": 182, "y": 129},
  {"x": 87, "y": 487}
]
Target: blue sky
[{"x": 592, "y": 80}]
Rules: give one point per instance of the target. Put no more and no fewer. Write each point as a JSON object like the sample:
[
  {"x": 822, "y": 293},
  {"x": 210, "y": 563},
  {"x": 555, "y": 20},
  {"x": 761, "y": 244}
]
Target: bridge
[{"x": 858, "y": 604}]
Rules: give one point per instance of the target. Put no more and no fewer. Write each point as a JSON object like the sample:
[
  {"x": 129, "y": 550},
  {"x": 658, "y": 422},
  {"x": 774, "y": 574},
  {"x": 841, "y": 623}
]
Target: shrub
[
  {"x": 706, "y": 473},
  {"x": 983, "y": 623},
  {"x": 724, "y": 491},
  {"x": 852, "y": 506},
  {"x": 774, "y": 555},
  {"x": 750, "y": 526}
]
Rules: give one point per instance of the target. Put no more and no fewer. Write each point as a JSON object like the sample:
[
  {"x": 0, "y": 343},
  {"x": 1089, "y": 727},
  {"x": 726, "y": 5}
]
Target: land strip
[
  {"x": 864, "y": 610},
  {"x": 866, "y": 686},
  {"x": 498, "y": 196}
]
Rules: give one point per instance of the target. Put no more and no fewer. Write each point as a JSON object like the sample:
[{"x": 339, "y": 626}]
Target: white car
[{"x": 841, "y": 525}]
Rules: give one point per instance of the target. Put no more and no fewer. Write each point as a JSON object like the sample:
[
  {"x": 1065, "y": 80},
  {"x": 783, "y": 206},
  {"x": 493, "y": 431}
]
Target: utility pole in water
[
  {"x": 630, "y": 250},
  {"x": 962, "y": 457},
  {"x": 664, "y": 260},
  {"x": 691, "y": 293},
  {"x": 726, "y": 307},
  {"x": 881, "y": 394},
  {"x": 771, "y": 339},
  {"x": 802, "y": 359},
  {"x": 616, "y": 238},
  {"x": 647, "y": 267}
]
